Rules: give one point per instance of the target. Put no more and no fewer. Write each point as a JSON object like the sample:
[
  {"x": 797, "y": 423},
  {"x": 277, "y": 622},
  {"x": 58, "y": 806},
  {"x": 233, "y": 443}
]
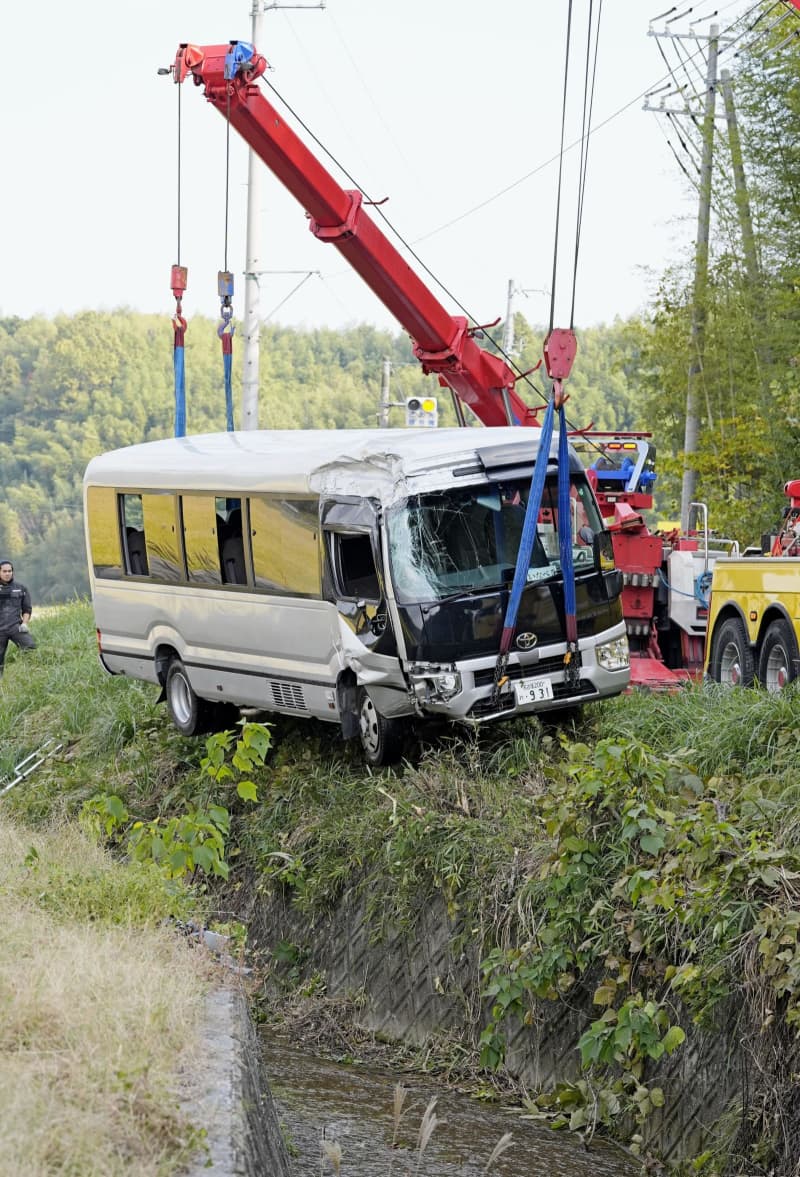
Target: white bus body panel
[{"x": 286, "y": 653}]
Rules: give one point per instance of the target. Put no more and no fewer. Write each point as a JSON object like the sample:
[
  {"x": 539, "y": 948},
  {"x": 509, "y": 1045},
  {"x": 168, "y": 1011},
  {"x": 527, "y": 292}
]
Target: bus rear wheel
[
  {"x": 732, "y": 661},
  {"x": 382, "y": 739},
  {"x": 777, "y": 665},
  {"x": 190, "y": 715}
]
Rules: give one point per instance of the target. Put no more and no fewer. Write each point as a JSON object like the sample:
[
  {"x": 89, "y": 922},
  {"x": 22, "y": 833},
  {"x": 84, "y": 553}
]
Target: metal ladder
[{"x": 31, "y": 763}]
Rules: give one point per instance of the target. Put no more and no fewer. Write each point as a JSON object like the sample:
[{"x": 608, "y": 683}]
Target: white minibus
[{"x": 356, "y": 576}]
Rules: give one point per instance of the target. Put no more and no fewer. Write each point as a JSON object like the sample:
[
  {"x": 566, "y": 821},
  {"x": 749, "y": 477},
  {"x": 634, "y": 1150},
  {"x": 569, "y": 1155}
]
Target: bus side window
[
  {"x": 355, "y": 566},
  {"x": 231, "y": 546},
  {"x": 284, "y": 545},
  {"x": 135, "y": 548},
  {"x": 201, "y": 538},
  {"x": 163, "y": 538},
  {"x": 102, "y": 509}
]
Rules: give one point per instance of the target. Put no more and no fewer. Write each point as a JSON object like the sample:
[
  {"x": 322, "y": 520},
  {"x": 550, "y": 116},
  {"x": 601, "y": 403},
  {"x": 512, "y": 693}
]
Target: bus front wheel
[
  {"x": 382, "y": 739},
  {"x": 732, "y": 661},
  {"x": 777, "y": 665},
  {"x": 189, "y": 714}
]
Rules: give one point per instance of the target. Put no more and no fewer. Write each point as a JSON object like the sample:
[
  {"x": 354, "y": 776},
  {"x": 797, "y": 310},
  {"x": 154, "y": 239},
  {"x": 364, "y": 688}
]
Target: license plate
[{"x": 533, "y": 690}]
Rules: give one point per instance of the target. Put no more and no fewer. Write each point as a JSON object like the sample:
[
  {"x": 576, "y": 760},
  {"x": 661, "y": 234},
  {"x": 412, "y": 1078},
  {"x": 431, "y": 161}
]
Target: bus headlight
[
  {"x": 613, "y": 655},
  {"x": 437, "y": 684}
]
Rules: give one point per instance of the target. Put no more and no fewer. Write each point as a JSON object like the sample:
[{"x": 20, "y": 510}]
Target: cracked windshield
[{"x": 448, "y": 543}]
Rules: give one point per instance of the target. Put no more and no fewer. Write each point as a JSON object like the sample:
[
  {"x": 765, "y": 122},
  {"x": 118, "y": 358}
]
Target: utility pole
[
  {"x": 699, "y": 312},
  {"x": 252, "y": 265},
  {"x": 385, "y": 403},
  {"x": 508, "y": 326},
  {"x": 698, "y": 332},
  {"x": 740, "y": 184}
]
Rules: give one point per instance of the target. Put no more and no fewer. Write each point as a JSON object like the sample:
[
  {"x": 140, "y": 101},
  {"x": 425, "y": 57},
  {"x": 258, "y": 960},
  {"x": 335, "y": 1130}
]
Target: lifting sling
[
  {"x": 571, "y": 658},
  {"x": 179, "y": 277}
]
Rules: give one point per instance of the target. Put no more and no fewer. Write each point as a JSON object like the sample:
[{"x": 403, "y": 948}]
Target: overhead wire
[
  {"x": 685, "y": 61},
  {"x": 409, "y": 246},
  {"x": 678, "y": 159},
  {"x": 553, "y": 158},
  {"x": 561, "y": 166},
  {"x": 379, "y": 212},
  {"x": 588, "y": 106},
  {"x": 683, "y": 138},
  {"x": 374, "y": 105},
  {"x": 303, "y": 280},
  {"x": 727, "y": 222}
]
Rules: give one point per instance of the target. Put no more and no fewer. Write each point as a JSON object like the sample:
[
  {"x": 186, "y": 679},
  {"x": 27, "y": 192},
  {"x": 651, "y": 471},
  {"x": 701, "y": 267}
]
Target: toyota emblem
[{"x": 526, "y": 641}]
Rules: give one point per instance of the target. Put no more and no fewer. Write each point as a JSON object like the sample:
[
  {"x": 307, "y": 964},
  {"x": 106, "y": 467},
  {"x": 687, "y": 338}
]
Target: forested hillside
[{"x": 76, "y": 386}]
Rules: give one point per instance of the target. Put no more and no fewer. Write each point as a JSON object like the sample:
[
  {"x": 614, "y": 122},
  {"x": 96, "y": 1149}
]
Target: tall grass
[
  {"x": 100, "y": 1012},
  {"x": 718, "y": 731},
  {"x": 114, "y": 737}
]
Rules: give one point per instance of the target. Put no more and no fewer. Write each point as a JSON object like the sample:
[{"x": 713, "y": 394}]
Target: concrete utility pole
[
  {"x": 252, "y": 265},
  {"x": 698, "y": 334},
  {"x": 385, "y": 403},
  {"x": 699, "y": 311},
  {"x": 508, "y": 326},
  {"x": 740, "y": 184}
]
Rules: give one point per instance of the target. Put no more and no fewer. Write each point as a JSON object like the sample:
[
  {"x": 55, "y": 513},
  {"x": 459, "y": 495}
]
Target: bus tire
[
  {"x": 382, "y": 739},
  {"x": 732, "y": 661},
  {"x": 777, "y": 664},
  {"x": 189, "y": 714}
]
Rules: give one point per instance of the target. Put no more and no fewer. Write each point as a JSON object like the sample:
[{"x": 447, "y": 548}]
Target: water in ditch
[{"x": 351, "y": 1107}]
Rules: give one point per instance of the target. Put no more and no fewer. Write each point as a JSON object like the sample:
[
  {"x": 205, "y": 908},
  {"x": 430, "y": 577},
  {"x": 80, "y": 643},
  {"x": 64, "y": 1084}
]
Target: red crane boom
[{"x": 443, "y": 343}]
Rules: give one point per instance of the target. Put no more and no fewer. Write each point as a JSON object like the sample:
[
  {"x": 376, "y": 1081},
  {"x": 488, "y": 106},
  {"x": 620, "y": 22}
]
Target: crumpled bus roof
[{"x": 387, "y": 464}]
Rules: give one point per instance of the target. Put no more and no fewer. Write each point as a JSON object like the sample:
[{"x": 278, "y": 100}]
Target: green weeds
[{"x": 646, "y": 865}]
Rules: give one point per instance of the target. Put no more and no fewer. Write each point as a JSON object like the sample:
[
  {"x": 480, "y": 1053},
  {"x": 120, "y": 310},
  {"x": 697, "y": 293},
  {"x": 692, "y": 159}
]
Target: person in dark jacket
[{"x": 15, "y": 612}]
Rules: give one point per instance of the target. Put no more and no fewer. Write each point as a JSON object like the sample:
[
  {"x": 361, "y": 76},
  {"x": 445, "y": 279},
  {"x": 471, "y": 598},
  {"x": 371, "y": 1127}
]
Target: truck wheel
[
  {"x": 777, "y": 665},
  {"x": 382, "y": 739},
  {"x": 189, "y": 714},
  {"x": 732, "y": 661}
]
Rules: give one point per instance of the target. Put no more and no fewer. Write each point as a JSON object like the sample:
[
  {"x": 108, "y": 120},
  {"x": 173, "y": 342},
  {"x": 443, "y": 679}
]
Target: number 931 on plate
[{"x": 533, "y": 690}]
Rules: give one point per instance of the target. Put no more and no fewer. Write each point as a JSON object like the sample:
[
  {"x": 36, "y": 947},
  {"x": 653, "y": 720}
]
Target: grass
[
  {"x": 114, "y": 736},
  {"x": 483, "y": 823},
  {"x": 101, "y": 1004},
  {"x": 719, "y": 731}
]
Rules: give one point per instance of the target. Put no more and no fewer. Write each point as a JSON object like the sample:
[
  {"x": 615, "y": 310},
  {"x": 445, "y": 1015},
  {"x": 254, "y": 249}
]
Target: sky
[{"x": 450, "y": 108}]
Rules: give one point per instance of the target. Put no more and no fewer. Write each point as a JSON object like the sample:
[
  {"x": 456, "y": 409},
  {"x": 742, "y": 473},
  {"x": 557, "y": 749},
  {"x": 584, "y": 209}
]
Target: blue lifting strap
[
  {"x": 178, "y": 282},
  {"x": 526, "y": 547},
  {"x": 528, "y": 531},
  {"x": 179, "y": 366}
]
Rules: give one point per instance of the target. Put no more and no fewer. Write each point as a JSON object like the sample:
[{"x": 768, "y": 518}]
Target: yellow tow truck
[{"x": 754, "y": 611}]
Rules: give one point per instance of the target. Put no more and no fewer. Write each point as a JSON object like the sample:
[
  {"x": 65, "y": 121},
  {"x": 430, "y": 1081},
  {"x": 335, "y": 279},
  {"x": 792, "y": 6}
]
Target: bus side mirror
[{"x": 603, "y": 548}]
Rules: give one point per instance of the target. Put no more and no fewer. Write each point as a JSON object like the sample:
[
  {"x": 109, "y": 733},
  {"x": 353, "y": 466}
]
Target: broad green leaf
[
  {"x": 247, "y": 791},
  {"x": 673, "y": 1039}
]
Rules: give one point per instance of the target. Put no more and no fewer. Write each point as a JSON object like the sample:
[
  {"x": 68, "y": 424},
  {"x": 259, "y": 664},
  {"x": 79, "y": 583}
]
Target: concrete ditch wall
[
  {"x": 416, "y": 986},
  {"x": 231, "y": 1099}
]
